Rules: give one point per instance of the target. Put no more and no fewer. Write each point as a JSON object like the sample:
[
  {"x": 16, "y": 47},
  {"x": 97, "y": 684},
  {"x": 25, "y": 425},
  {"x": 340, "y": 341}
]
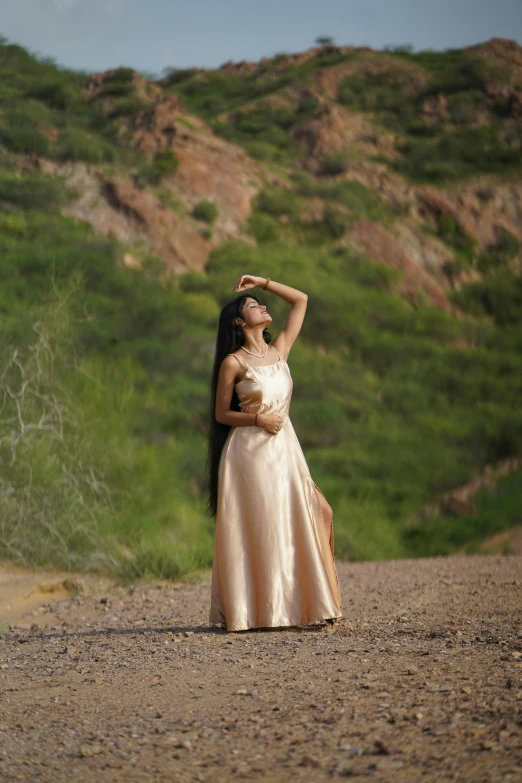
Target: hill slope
[{"x": 385, "y": 184}]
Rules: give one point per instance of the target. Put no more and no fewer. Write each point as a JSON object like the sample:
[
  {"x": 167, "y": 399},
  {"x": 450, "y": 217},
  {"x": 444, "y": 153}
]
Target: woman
[{"x": 273, "y": 555}]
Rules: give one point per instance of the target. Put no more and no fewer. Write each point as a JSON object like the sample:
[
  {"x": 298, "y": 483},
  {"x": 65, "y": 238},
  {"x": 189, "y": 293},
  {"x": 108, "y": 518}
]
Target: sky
[{"x": 151, "y": 35}]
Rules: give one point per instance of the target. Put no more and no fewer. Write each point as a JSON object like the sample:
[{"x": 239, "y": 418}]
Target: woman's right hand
[{"x": 271, "y": 422}]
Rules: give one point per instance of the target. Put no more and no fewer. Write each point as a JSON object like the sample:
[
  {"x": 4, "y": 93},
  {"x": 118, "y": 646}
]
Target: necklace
[{"x": 260, "y": 355}]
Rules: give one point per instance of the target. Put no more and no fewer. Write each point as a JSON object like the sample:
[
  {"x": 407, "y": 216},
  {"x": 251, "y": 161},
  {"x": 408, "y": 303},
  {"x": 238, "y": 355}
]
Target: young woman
[{"x": 273, "y": 554}]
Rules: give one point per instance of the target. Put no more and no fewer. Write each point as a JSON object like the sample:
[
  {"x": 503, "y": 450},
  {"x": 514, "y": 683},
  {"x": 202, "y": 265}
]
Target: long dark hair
[{"x": 229, "y": 339}]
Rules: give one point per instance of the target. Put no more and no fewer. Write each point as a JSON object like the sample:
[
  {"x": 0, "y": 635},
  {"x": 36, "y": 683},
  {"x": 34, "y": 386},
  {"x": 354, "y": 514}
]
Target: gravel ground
[{"x": 421, "y": 681}]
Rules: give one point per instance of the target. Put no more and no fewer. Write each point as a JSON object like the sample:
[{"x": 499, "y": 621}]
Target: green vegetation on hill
[
  {"x": 44, "y": 112},
  {"x": 105, "y": 370},
  {"x": 447, "y": 145}
]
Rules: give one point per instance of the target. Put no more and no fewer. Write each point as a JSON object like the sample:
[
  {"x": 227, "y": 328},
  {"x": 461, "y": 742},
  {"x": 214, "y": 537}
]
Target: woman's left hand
[{"x": 248, "y": 281}]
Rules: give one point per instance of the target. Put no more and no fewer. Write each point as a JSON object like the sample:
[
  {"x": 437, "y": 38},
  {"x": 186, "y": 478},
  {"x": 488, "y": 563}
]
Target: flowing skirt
[{"x": 273, "y": 559}]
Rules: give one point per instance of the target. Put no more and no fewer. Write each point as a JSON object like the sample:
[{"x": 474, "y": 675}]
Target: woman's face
[{"x": 255, "y": 314}]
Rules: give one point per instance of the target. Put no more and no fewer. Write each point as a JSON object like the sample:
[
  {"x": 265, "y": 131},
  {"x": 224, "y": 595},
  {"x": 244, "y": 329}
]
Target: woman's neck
[{"x": 255, "y": 342}]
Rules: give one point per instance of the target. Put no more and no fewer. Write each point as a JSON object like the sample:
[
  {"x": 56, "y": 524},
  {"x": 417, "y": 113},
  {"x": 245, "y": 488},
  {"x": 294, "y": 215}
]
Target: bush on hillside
[
  {"x": 500, "y": 253},
  {"x": 337, "y": 220},
  {"x": 65, "y": 96},
  {"x": 335, "y": 163},
  {"x": 264, "y": 228},
  {"x": 78, "y": 144},
  {"x": 120, "y": 83},
  {"x": 25, "y": 141},
  {"x": 36, "y": 191},
  {"x": 20, "y": 127},
  {"x": 498, "y": 294},
  {"x": 205, "y": 210},
  {"x": 278, "y": 202},
  {"x": 163, "y": 164},
  {"x": 462, "y": 107},
  {"x": 127, "y": 106}
]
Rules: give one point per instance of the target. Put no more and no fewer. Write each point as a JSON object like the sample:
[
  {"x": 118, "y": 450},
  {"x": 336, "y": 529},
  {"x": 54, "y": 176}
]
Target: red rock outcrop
[
  {"x": 480, "y": 208},
  {"x": 375, "y": 241},
  {"x": 209, "y": 168},
  {"x": 338, "y": 130},
  {"x": 115, "y": 207},
  {"x": 503, "y": 52}
]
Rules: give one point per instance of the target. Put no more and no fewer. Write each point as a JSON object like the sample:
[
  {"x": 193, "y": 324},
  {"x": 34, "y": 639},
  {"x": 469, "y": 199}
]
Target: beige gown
[{"x": 273, "y": 561}]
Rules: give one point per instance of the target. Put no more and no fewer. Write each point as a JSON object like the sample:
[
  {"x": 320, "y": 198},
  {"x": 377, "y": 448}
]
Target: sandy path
[{"x": 422, "y": 680}]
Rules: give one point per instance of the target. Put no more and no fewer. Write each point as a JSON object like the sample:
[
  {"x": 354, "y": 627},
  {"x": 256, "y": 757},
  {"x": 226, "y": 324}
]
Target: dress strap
[
  {"x": 241, "y": 364},
  {"x": 273, "y": 346}
]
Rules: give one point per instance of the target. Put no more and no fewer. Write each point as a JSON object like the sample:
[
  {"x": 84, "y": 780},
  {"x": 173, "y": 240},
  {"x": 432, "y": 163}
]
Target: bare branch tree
[{"x": 50, "y": 494}]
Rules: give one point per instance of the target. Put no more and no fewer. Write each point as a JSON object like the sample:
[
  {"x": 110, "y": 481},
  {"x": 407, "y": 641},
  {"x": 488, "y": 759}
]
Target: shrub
[
  {"x": 308, "y": 104},
  {"x": 177, "y": 75},
  {"x": 453, "y": 267},
  {"x": 263, "y": 150},
  {"x": 164, "y": 162},
  {"x": 56, "y": 94},
  {"x": 77, "y": 144},
  {"x": 498, "y": 254},
  {"x": 120, "y": 83},
  {"x": 205, "y": 210},
  {"x": 126, "y": 106},
  {"x": 263, "y": 227},
  {"x": 20, "y": 127},
  {"x": 463, "y": 244},
  {"x": 337, "y": 220},
  {"x": 498, "y": 295},
  {"x": 335, "y": 163},
  {"x": 278, "y": 202},
  {"x": 25, "y": 141},
  {"x": 36, "y": 191},
  {"x": 462, "y": 107}
]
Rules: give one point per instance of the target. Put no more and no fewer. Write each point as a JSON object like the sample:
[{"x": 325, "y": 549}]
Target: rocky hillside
[{"x": 431, "y": 141}]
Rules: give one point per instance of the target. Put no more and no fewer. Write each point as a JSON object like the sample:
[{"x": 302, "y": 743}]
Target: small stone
[
  {"x": 170, "y": 741},
  {"x": 309, "y": 761},
  {"x": 386, "y": 747},
  {"x": 87, "y": 751}
]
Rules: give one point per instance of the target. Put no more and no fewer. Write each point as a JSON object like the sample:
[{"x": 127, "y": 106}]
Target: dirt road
[{"x": 421, "y": 681}]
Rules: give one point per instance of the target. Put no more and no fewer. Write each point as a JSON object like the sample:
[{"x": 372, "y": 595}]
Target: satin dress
[{"x": 273, "y": 559}]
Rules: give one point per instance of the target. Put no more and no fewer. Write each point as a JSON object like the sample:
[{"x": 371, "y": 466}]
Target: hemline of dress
[{"x": 223, "y": 626}]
